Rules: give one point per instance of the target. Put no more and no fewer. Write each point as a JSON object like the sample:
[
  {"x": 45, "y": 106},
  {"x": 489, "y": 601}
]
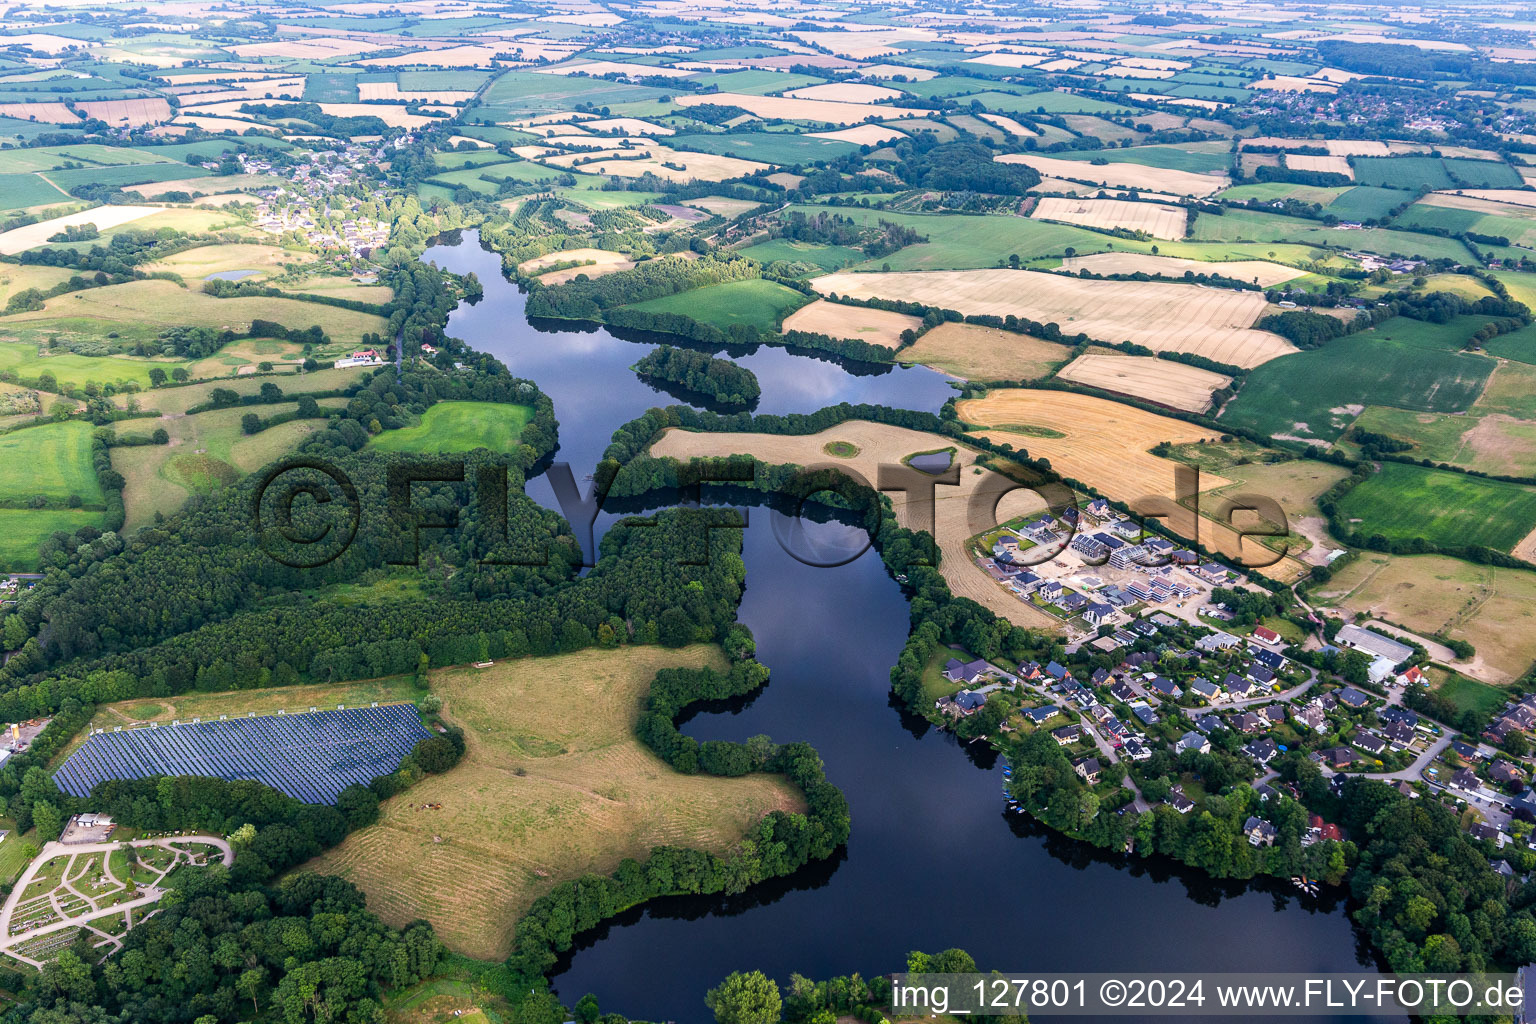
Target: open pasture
[
  {"x": 1490, "y": 607},
  {"x": 876, "y": 326},
  {"x": 1123, "y": 175},
  {"x": 23, "y": 530},
  {"x": 1156, "y": 380},
  {"x": 69, "y": 369},
  {"x": 756, "y": 302},
  {"x": 1152, "y": 218},
  {"x": 553, "y": 785},
  {"x": 1213, "y": 322},
  {"x": 51, "y": 461},
  {"x": 459, "y": 427},
  {"x": 1494, "y": 443},
  {"x": 974, "y": 352},
  {"x": 1402, "y": 363},
  {"x": 1403, "y": 503},
  {"x": 144, "y": 308}
]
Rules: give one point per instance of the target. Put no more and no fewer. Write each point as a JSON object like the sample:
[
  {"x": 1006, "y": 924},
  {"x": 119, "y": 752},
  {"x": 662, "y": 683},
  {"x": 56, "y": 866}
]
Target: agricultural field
[
  {"x": 140, "y": 310},
  {"x": 22, "y": 530},
  {"x": 51, "y": 461},
  {"x": 69, "y": 370},
  {"x": 1124, "y": 175},
  {"x": 548, "y": 790},
  {"x": 459, "y": 427},
  {"x": 1213, "y": 322},
  {"x": 1490, "y": 607},
  {"x": 876, "y": 326},
  {"x": 865, "y": 447},
  {"x": 1106, "y": 446},
  {"x": 784, "y": 250},
  {"x": 1406, "y": 364},
  {"x": 1260, "y": 272},
  {"x": 1162, "y": 381},
  {"x": 1494, "y": 443},
  {"x": 974, "y": 352},
  {"x": 1405, "y": 502},
  {"x": 1152, "y": 218},
  {"x": 758, "y": 303}
]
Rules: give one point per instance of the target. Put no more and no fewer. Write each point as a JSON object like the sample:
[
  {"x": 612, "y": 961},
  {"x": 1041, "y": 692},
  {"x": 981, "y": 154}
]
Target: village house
[
  {"x": 1353, "y": 698},
  {"x": 1067, "y": 734},
  {"x": 1504, "y": 773},
  {"x": 1265, "y": 635},
  {"x": 1179, "y": 802},
  {"x": 1205, "y": 690},
  {"x": 1088, "y": 768},
  {"x": 1192, "y": 741},
  {"x": 965, "y": 672},
  {"x": 1465, "y": 779},
  {"x": 1262, "y": 751},
  {"x": 1260, "y": 832},
  {"x": 1371, "y": 743},
  {"x": 1041, "y": 715}
]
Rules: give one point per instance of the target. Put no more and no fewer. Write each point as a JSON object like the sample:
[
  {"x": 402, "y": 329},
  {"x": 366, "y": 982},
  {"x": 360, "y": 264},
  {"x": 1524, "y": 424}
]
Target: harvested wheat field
[
  {"x": 879, "y": 444},
  {"x": 862, "y": 135},
  {"x": 1008, "y": 125},
  {"x": 1288, "y": 83},
  {"x": 789, "y": 109},
  {"x": 597, "y": 256},
  {"x": 391, "y": 91},
  {"x": 974, "y": 352},
  {"x": 1123, "y": 175},
  {"x": 1213, "y": 322},
  {"x": 1106, "y": 445},
  {"x": 553, "y": 785},
  {"x": 1320, "y": 164},
  {"x": 104, "y": 217},
  {"x": 846, "y": 92},
  {"x": 696, "y": 166},
  {"x": 54, "y": 112},
  {"x": 1163, "y": 381},
  {"x": 1513, "y": 196},
  {"x": 1156, "y": 220},
  {"x": 1260, "y": 272},
  {"x": 149, "y": 110},
  {"x": 876, "y": 326}
]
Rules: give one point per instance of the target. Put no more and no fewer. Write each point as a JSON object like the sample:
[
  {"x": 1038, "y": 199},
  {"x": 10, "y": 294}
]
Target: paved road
[
  {"x": 1415, "y": 770},
  {"x": 56, "y": 849}
]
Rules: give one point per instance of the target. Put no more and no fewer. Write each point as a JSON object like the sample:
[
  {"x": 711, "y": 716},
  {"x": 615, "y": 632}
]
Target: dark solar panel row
[{"x": 312, "y": 757}]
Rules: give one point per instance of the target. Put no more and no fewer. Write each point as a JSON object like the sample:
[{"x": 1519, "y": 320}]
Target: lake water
[{"x": 934, "y": 860}]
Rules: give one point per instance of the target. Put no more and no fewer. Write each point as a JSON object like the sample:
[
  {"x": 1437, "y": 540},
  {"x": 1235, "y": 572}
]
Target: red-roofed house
[{"x": 1265, "y": 635}]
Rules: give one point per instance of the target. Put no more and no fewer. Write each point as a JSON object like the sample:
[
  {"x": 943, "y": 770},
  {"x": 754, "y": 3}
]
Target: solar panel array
[{"x": 312, "y": 757}]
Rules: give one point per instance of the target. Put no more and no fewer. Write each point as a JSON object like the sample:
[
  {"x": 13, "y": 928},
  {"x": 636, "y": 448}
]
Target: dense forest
[{"x": 719, "y": 379}]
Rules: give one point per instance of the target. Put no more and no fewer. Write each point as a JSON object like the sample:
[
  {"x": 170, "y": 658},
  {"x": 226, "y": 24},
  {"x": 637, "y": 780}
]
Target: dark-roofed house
[
  {"x": 1271, "y": 660},
  {"x": 1504, "y": 772},
  {"x": 1144, "y": 713},
  {"x": 1192, "y": 741},
  {"x": 1066, "y": 734},
  {"x": 1370, "y": 743},
  {"x": 1043, "y": 714},
  {"x": 1122, "y": 691},
  {"x": 1100, "y": 676},
  {"x": 1259, "y": 831},
  {"x": 1338, "y": 758},
  {"x": 1398, "y": 734},
  {"x": 970, "y": 701},
  {"x": 1311, "y": 716},
  {"x": 1057, "y": 672},
  {"x": 1165, "y": 688},
  {"x": 1098, "y": 612},
  {"x": 1353, "y": 697},
  {"x": 957, "y": 671},
  {"x": 1248, "y": 722},
  {"x": 1465, "y": 779},
  {"x": 1088, "y": 768},
  {"x": 1261, "y": 675},
  {"x": 1263, "y": 751},
  {"x": 1179, "y": 802},
  {"x": 1208, "y": 723}
]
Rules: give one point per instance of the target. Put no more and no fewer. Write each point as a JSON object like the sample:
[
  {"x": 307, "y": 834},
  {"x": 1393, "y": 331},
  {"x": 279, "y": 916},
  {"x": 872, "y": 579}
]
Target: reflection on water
[{"x": 934, "y": 861}]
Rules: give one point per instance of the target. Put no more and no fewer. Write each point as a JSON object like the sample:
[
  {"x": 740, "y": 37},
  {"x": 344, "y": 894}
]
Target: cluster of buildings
[
  {"x": 312, "y": 204},
  {"x": 1096, "y": 565}
]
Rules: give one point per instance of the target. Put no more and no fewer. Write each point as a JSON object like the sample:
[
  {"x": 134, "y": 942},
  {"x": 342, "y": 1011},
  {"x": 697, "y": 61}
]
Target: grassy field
[
  {"x": 1467, "y": 694},
  {"x": 1489, "y": 607},
  {"x": 459, "y": 427},
  {"x": 142, "y": 309},
  {"x": 1493, "y": 443},
  {"x": 554, "y": 785},
  {"x": 265, "y": 701},
  {"x": 52, "y": 461},
  {"x": 1406, "y": 364},
  {"x": 769, "y": 147},
  {"x": 173, "y": 400},
  {"x": 1200, "y": 157},
  {"x": 70, "y": 369},
  {"x": 207, "y": 451},
  {"x": 22, "y": 530},
  {"x": 757, "y": 302},
  {"x": 1255, "y": 226},
  {"x": 827, "y": 257},
  {"x": 1403, "y": 502}
]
